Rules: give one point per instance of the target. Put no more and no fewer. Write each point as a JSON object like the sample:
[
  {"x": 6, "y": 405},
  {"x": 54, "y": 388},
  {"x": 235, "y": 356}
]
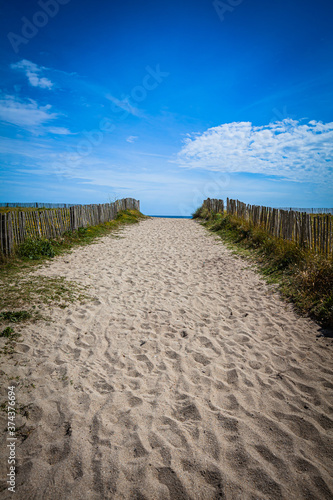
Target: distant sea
[{"x": 172, "y": 216}]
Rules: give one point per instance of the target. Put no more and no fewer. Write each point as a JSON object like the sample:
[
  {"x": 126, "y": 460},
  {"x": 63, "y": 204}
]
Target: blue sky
[{"x": 167, "y": 102}]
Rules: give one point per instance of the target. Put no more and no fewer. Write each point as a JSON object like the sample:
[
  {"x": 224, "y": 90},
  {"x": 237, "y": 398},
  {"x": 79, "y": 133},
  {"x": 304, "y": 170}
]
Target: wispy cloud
[
  {"x": 132, "y": 138},
  {"x": 60, "y": 131},
  {"x": 124, "y": 104},
  {"x": 33, "y": 73},
  {"x": 288, "y": 148},
  {"x": 26, "y": 114}
]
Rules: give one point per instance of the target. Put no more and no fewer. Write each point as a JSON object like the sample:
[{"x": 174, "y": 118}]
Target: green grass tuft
[
  {"x": 7, "y": 332},
  {"x": 35, "y": 249},
  {"x": 15, "y": 316}
]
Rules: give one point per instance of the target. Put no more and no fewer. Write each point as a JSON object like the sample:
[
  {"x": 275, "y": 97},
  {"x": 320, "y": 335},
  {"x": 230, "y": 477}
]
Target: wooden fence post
[
  {"x": 22, "y": 229},
  {"x": 72, "y": 215},
  {"x": 3, "y": 233}
]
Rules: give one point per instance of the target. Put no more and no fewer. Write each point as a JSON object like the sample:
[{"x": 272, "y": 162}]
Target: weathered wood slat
[{"x": 10, "y": 234}]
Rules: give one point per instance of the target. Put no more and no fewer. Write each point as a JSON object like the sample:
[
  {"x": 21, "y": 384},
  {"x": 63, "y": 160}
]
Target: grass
[
  {"x": 5, "y": 210},
  {"x": 303, "y": 277},
  {"x": 15, "y": 316},
  {"x": 18, "y": 290},
  {"x": 7, "y": 332},
  {"x": 21, "y": 297},
  {"x": 12, "y": 337}
]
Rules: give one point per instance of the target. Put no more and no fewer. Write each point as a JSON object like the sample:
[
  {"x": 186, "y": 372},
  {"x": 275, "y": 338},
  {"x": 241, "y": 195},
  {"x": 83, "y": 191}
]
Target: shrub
[
  {"x": 259, "y": 237},
  {"x": 34, "y": 249},
  {"x": 197, "y": 213},
  {"x": 316, "y": 275},
  {"x": 204, "y": 213},
  {"x": 288, "y": 255},
  {"x": 221, "y": 222},
  {"x": 82, "y": 231}
]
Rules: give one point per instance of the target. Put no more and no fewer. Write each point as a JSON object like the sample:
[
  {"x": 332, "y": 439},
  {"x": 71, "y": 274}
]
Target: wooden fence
[
  {"x": 37, "y": 204},
  {"x": 309, "y": 210},
  {"x": 214, "y": 205},
  {"x": 16, "y": 227},
  {"x": 311, "y": 231}
]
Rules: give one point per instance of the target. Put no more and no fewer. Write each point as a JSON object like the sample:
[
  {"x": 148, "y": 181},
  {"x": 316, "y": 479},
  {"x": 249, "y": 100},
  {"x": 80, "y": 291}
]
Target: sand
[{"x": 185, "y": 377}]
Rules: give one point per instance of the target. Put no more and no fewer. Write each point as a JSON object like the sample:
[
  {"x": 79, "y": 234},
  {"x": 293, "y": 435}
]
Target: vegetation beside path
[{"x": 304, "y": 278}]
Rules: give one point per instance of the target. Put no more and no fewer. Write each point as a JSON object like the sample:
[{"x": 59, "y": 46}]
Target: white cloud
[
  {"x": 59, "y": 131},
  {"x": 285, "y": 148},
  {"x": 33, "y": 73},
  {"x": 132, "y": 138},
  {"x": 28, "y": 115}
]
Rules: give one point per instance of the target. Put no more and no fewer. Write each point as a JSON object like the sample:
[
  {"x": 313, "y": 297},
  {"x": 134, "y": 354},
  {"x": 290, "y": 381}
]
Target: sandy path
[{"x": 185, "y": 378}]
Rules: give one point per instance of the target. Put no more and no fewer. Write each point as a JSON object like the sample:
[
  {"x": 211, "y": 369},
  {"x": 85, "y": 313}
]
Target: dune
[{"x": 185, "y": 376}]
